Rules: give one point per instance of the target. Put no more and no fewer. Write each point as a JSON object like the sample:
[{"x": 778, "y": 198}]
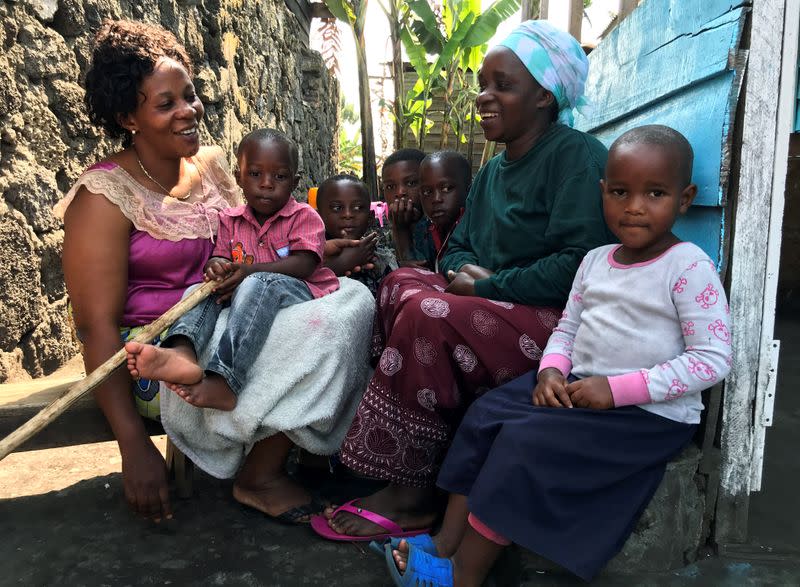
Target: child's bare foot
[
  {"x": 400, "y": 555},
  {"x": 160, "y": 364},
  {"x": 211, "y": 392}
]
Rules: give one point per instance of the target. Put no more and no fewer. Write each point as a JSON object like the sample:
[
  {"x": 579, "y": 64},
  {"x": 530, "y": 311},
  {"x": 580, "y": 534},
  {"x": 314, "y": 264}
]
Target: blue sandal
[
  {"x": 422, "y": 569},
  {"x": 423, "y": 542}
]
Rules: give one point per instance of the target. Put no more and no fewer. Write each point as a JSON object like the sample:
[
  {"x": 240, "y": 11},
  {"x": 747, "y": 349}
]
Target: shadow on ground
[{"x": 85, "y": 535}]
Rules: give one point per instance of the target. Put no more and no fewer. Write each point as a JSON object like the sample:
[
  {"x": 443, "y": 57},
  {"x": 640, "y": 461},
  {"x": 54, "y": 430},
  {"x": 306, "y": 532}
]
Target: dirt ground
[{"x": 63, "y": 521}]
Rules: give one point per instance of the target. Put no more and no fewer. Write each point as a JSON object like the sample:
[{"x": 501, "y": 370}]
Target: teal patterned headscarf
[{"x": 555, "y": 60}]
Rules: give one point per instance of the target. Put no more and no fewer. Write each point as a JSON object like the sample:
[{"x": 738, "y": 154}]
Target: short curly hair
[{"x": 125, "y": 52}]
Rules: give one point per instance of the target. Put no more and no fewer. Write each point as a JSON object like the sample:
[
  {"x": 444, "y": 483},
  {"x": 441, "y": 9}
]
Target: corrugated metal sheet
[{"x": 676, "y": 63}]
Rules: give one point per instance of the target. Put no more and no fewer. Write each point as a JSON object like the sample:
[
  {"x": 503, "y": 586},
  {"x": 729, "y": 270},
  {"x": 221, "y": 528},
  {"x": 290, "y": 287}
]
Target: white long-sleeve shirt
[{"x": 659, "y": 330}]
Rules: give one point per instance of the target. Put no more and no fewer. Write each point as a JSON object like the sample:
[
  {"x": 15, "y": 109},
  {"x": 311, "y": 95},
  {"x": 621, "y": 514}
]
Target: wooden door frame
[{"x": 758, "y": 214}]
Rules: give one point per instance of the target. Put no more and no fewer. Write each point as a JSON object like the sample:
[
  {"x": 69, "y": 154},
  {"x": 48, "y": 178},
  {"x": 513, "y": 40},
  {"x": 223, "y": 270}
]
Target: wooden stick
[{"x": 96, "y": 377}]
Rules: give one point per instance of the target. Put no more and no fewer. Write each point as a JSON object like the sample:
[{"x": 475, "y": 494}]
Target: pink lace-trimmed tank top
[
  {"x": 171, "y": 239},
  {"x": 158, "y": 273}
]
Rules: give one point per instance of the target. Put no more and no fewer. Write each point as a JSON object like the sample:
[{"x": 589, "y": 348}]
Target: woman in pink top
[{"x": 139, "y": 227}]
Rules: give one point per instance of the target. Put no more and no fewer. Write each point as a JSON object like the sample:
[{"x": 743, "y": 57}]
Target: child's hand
[
  {"x": 237, "y": 274},
  {"x": 461, "y": 284},
  {"x": 593, "y": 392},
  {"x": 551, "y": 390},
  {"x": 360, "y": 256},
  {"x": 403, "y": 213},
  {"x": 217, "y": 270},
  {"x": 335, "y": 246}
]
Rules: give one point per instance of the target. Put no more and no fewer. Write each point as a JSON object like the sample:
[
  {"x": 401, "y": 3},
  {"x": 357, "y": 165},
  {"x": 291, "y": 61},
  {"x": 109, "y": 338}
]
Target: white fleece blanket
[{"x": 306, "y": 383}]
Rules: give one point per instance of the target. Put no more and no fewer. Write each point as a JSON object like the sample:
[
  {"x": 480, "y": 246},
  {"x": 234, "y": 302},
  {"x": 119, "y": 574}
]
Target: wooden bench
[{"x": 82, "y": 423}]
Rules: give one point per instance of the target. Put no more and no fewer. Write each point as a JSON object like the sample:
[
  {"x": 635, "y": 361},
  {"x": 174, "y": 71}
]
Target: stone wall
[{"x": 251, "y": 70}]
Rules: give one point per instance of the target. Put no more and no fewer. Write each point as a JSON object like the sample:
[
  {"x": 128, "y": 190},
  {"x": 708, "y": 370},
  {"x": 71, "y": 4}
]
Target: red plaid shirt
[{"x": 295, "y": 227}]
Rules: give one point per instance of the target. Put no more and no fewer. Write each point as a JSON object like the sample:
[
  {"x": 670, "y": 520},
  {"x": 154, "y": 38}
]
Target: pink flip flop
[{"x": 320, "y": 526}]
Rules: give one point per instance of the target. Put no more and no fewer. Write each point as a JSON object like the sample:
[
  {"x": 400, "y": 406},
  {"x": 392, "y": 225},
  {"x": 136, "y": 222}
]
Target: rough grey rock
[
  {"x": 45, "y": 9},
  {"x": 51, "y": 344},
  {"x": 11, "y": 366},
  {"x": 51, "y": 274},
  {"x": 20, "y": 302},
  {"x": 251, "y": 70}
]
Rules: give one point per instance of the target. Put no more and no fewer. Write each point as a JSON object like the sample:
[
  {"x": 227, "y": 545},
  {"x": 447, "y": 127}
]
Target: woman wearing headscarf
[{"x": 532, "y": 213}]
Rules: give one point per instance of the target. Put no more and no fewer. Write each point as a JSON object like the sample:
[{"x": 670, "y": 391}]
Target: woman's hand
[
  {"x": 144, "y": 480},
  {"x": 461, "y": 284},
  {"x": 476, "y": 271},
  {"x": 403, "y": 212},
  {"x": 593, "y": 392},
  {"x": 551, "y": 390},
  {"x": 236, "y": 275}
]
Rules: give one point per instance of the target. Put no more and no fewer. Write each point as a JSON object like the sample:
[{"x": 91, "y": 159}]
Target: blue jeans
[{"x": 254, "y": 305}]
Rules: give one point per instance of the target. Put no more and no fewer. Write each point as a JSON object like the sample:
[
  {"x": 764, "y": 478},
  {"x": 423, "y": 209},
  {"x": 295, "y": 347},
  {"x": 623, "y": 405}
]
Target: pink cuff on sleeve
[
  {"x": 629, "y": 389},
  {"x": 560, "y": 362},
  {"x": 486, "y": 531}
]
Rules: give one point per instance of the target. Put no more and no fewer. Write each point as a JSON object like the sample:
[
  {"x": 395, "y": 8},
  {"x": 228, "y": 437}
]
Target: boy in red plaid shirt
[{"x": 268, "y": 256}]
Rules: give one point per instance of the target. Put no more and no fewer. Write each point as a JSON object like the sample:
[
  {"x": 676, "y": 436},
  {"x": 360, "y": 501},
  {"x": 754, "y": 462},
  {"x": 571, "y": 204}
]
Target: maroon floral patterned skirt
[{"x": 442, "y": 351}]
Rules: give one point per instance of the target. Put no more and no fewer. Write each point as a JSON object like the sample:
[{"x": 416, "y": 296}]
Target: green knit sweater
[{"x": 532, "y": 220}]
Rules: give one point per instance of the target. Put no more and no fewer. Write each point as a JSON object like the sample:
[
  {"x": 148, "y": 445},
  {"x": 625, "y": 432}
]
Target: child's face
[
  {"x": 267, "y": 177},
  {"x": 345, "y": 210},
  {"x": 643, "y": 193},
  {"x": 401, "y": 180},
  {"x": 442, "y": 191}
]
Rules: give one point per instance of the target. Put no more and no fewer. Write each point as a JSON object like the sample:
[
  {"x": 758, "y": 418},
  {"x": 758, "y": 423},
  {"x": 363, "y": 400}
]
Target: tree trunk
[
  {"x": 423, "y": 129},
  {"x": 471, "y": 144},
  {"x": 367, "y": 133},
  {"x": 531, "y": 10},
  {"x": 397, "y": 76},
  {"x": 448, "y": 94},
  {"x": 489, "y": 149}
]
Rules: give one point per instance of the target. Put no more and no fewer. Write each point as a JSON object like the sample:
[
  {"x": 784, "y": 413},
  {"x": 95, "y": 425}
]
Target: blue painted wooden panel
[
  {"x": 701, "y": 113},
  {"x": 703, "y": 226},
  {"x": 621, "y": 82},
  {"x": 675, "y": 62}
]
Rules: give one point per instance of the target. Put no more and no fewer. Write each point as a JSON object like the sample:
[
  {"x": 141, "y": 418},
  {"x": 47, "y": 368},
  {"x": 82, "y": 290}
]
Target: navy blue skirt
[{"x": 567, "y": 484}]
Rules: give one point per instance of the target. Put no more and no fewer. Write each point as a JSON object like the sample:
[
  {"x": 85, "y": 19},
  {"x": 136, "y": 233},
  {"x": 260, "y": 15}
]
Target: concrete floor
[{"x": 63, "y": 521}]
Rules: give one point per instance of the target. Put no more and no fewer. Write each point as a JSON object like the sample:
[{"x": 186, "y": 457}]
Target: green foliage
[
  {"x": 456, "y": 39},
  {"x": 354, "y": 13},
  {"x": 350, "y": 160},
  {"x": 347, "y": 112}
]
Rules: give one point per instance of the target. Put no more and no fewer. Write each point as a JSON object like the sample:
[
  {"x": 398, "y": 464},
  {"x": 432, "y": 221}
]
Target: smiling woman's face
[
  {"x": 168, "y": 114},
  {"x": 510, "y": 100}
]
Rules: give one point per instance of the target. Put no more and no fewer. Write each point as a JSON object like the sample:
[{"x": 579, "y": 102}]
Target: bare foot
[
  {"x": 160, "y": 364},
  {"x": 277, "y": 498},
  {"x": 409, "y": 514},
  {"x": 400, "y": 555},
  {"x": 211, "y": 392}
]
